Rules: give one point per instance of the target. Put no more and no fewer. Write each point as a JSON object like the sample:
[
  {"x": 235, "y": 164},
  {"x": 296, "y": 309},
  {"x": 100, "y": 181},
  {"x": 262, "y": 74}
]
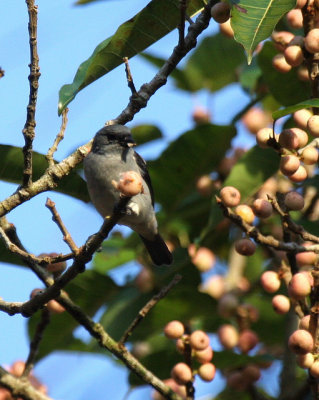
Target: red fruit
[
  {"x": 214, "y": 286},
  {"x": 220, "y": 12},
  {"x": 199, "y": 340},
  {"x": 144, "y": 281},
  {"x": 227, "y": 305},
  {"x": 309, "y": 155},
  {"x": 262, "y": 208},
  {"x": 205, "y": 185},
  {"x": 270, "y": 281},
  {"x": 301, "y": 117},
  {"x": 207, "y": 372},
  {"x": 289, "y": 164},
  {"x": 130, "y": 183},
  {"x": 300, "y": 175},
  {"x": 201, "y": 116},
  {"x": 246, "y": 213},
  {"x": 305, "y": 360},
  {"x": 280, "y": 64},
  {"x": 294, "y": 55},
  {"x": 314, "y": 369},
  {"x": 255, "y": 119},
  {"x": 295, "y": 19},
  {"x": 174, "y": 330},
  {"x": 55, "y": 307},
  {"x": 294, "y": 201},
  {"x": 230, "y": 196},
  {"x": 228, "y": 336},
  {"x": 204, "y": 259},
  {"x": 301, "y": 342},
  {"x": 263, "y": 136},
  {"x": 313, "y": 125},
  {"x": 299, "y": 286},
  {"x": 247, "y": 340},
  {"x": 56, "y": 267},
  {"x": 182, "y": 373},
  {"x": 312, "y": 41},
  {"x": 245, "y": 247},
  {"x": 281, "y": 304},
  {"x": 204, "y": 356}
]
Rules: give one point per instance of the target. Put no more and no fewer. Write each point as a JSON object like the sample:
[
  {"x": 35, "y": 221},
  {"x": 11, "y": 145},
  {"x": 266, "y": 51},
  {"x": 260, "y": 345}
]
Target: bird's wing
[{"x": 144, "y": 173}]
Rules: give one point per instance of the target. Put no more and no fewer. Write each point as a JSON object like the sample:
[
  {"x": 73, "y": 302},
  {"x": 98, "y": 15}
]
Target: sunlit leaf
[
  {"x": 156, "y": 20},
  {"x": 145, "y": 133},
  {"x": 254, "y": 21},
  {"x": 289, "y": 110}
]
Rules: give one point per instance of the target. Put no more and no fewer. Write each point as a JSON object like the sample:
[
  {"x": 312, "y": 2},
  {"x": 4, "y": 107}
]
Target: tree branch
[{"x": 29, "y": 127}]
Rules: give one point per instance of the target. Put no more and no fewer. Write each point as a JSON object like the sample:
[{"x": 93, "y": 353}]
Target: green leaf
[
  {"x": 146, "y": 133},
  {"x": 90, "y": 291},
  {"x": 156, "y": 20},
  {"x": 12, "y": 169},
  {"x": 286, "y": 88},
  {"x": 289, "y": 110},
  {"x": 193, "y": 154},
  {"x": 254, "y": 21},
  {"x": 226, "y": 54}
]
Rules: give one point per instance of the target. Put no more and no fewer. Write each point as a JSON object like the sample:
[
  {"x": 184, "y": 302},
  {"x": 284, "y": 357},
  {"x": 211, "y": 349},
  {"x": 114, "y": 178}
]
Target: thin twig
[
  {"x": 97, "y": 331},
  {"x": 29, "y": 127},
  {"x": 181, "y": 26},
  {"x": 129, "y": 77},
  {"x": 148, "y": 306},
  {"x": 140, "y": 100},
  {"x": 57, "y": 219},
  {"x": 58, "y": 139},
  {"x": 34, "y": 345}
]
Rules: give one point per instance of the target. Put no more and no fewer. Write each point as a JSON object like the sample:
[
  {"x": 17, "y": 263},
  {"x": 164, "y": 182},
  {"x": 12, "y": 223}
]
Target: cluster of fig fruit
[
  {"x": 17, "y": 369},
  {"x": 197, "y": 346},
  {"x": 294, "y": 48},
  {"x": 297, "y": 156}
]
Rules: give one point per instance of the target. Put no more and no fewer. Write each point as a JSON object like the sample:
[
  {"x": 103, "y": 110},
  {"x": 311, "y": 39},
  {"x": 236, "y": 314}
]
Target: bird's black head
[{"x": 113, "y": 134}]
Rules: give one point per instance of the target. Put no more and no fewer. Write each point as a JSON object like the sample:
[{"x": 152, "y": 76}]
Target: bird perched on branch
[{"x": 111, "y": 167}]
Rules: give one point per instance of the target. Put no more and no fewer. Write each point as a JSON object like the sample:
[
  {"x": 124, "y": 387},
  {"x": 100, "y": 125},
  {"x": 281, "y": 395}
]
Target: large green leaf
[
  {"x": 287, "y": 89},
  {"x": 193, "y": 154},
  {"x": 156, "y": 20},
  {"x": 12, "y": 169},
  {"x": 145, "y": 133},
  {"x": 254, "y": 21},
  {"x": 289, "y": 110},
  {"x": 90, "y": 291},
  {"x": 213, "y": 64}
]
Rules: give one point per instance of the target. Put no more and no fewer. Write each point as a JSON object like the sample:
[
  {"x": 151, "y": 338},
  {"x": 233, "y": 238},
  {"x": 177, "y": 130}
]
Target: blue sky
[{"x": 67, "y": 36}]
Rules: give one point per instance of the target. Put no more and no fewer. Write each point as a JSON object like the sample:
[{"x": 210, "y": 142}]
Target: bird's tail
[{"x": 158, "y": 250}]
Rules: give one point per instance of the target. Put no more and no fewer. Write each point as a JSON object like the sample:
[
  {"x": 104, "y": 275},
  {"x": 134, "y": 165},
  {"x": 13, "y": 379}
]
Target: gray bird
[{"x": 110, "y": 156}]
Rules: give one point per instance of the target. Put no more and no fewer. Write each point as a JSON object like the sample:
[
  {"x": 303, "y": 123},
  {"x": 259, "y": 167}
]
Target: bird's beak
[{"x": 131, "y": 144}]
